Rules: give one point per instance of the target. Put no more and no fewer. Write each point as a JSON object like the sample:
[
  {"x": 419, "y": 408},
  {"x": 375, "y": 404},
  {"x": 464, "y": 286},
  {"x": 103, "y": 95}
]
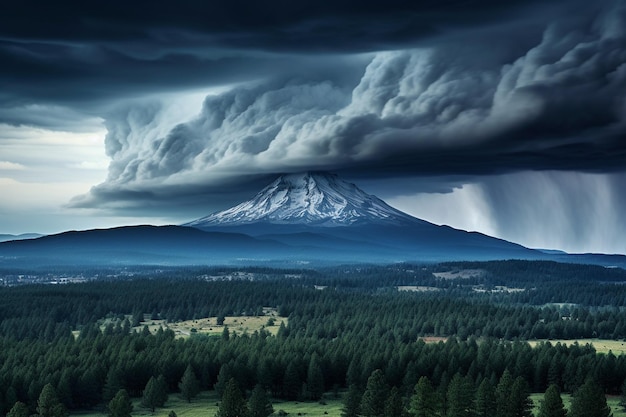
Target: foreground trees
[
  {"x": 189, "y": 385},
  {"x": 334, "y": 338},
  {"x": 589, "y": 401},
  {"x": 552, "y": 404},
  {"x": 155, "y": 393},
  {"x": 120, "y": 405},
  {"x": 424, "y": 401},
  {"x": 48, "y": 404},
  {"x": 233, "y": 403}
]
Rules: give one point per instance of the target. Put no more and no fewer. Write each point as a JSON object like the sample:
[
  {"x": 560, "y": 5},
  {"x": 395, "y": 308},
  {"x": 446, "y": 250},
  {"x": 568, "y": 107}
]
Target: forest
[{"x": 361, "y": 332}]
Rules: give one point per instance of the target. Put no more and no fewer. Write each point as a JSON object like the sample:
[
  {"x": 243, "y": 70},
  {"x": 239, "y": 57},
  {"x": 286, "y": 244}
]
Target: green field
[
  {"x": 618, "y": 347},
  {"x": 236, "y": 325},
  {"x": 205, "y": 405},
  {"x": 612, "y": 401}
]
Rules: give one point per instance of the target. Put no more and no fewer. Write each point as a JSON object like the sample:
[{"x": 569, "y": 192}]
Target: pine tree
[
  {"x": 589, "y": 401},
  {"x": 424, "y": 401},
  {"x": 375, "y": 395},
  {"x": 259, "y": 404},
  {"x": 189, "y": 385},
  {"x": 393, "y": 405},
  {"x": 155, "y": 393},
  {"x": 112, "y": 385},
  {"x": 120, "y": 405},
  {"x": 233, "y": 404},
  {"x": 48, "y": 404},
  {"x": 19, "y": 409},
  {"x": 552, "y": 404},
  {"x": 224, "y": 375},
  {"x": 504, "y": 406},
  {"x": 291, "y": 381},
  {"x": 315, "y": 378},
  {"x": 485, "y": 403},
  {"x": 520, "y": 399},
  {"x": 622, "y": 401},
  {"x": 351, "y": 402},
  {"x": 460, "y": 397}
]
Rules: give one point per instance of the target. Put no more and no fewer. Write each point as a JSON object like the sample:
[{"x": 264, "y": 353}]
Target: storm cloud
[{"x": 451, "y": 108}]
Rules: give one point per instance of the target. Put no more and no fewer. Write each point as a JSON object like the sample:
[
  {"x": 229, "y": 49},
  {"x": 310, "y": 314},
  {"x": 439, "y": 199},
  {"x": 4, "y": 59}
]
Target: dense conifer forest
[{"x": 366, "y": 330}]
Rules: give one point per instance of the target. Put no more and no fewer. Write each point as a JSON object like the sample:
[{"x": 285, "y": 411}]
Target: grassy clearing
[
  {"x": 206, "y": 404},
  {"x": 208, "y": 326},
  {"x": 612, "y": 401},
  {"x": 417, "y": 288},
  {"x": 618, "y": 347},
  {"x": 460, "y": 274}
]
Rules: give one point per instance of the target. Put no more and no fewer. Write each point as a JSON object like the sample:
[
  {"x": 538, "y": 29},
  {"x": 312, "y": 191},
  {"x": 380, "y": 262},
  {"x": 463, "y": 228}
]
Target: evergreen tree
[
  {"x": 393, "y": 405},
  {"x": 589, "y": 401},
  {"x": 224, "y": 375},
  {"x": 504, "y": 406},
  {"x": 259, "y": 404},
  {"x": 155, "y": 393},
  {"x": 375, "y": 395},
  {"x": 233, "y": 404},
  {"x": 460, "y": 397},
  {"x": 315, "y": 378},
  {"x": 622, "y": 400},
  {"x": 485, "y": 404},
  {"x": 520, "y": 398},
  {"x": 291, "y": 381},
  {"x": 64, "y": 389},
  {"x": 352, "y": 402},
  {"x": 19, "y": 409},
  {"x": 189, "y": 385},
  {"x": 552, "y": 404},
  {"x": 120, "y": 405},
  {"x": 424, "y": 401},
  {"x": 48, "y": 404},
  {"x": 113, "y": 384}
]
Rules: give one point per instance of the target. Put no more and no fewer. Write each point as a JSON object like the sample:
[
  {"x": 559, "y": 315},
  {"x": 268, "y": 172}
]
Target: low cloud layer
[{"x": 453, "y": 107}]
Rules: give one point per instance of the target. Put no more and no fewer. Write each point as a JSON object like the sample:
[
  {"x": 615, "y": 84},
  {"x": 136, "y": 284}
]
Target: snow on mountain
[{"x": 319, "y": 199}]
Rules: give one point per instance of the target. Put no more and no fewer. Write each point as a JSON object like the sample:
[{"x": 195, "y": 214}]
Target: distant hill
[{"x": 6, "y": 238}]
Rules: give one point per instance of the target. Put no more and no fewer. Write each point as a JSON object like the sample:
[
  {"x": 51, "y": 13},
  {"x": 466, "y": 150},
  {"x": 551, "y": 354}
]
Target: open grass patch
[
  {"x": 618, "y": 347},
  {"x": 269, "y": 321}
]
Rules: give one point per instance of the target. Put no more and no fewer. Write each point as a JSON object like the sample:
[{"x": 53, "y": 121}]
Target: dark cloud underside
[{"x": 372, "y": 90}]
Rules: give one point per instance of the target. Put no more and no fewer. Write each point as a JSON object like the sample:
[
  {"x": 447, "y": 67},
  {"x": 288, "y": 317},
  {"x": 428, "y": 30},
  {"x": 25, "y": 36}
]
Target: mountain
[
  {"x": 312, "y": 199},
  {"x": 311, "y": 218},
  {"x": 6, "y": 238},
  {"x": 320, "y": 210},
  {"x": 135, "y": 245}
]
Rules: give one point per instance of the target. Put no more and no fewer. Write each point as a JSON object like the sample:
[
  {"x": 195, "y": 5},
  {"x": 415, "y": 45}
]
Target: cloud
[
  {"x": 451, "y": 108},
  {"x": 11, "y": 166},
  {"x": 86, "y": 59}
]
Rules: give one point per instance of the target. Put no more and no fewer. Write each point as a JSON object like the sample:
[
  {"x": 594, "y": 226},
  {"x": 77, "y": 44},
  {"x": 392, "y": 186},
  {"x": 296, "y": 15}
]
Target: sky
[{"x": 507, "y": 118}]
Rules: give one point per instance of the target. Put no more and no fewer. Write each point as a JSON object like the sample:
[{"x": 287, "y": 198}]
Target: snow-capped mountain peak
[{"x": 319, "y": 199}]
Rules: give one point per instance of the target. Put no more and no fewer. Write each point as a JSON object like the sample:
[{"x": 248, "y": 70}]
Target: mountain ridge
[
  {"x": 310, "y": 198},
  {"x": 309, "y": 218}
]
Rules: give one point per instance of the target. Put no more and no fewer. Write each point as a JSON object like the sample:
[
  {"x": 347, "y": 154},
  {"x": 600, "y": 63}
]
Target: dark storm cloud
[
  {"x": 372, "y": 90},
  {"x": 282, "y": 25},
  {"x": 85, "y": 55},
  {"x": 432, "y": 111}
]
